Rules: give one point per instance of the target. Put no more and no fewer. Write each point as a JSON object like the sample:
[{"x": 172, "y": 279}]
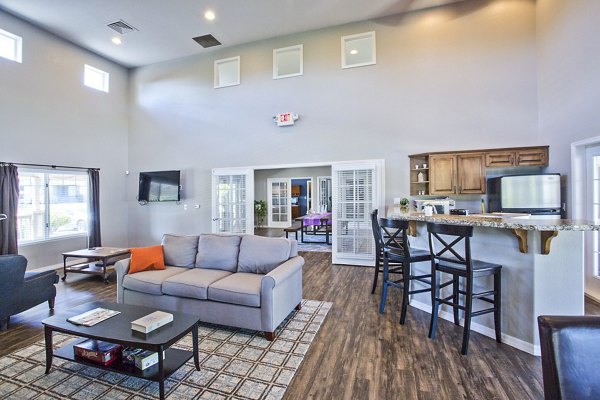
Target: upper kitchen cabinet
[
  {"x": 470, "y": 173},
  {"x": 442, "y": 174},
  {"x": 457, "y": 174},
  {"x": 464, "y": 172},
  {"x": 521, "y": 157}
]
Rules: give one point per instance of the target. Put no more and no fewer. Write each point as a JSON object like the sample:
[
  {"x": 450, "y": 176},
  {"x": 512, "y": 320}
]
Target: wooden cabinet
[
  {"x": 295, "y": 212},
  {"x": 470, "y": 173},
  {"x": 295, "y": 190},
  {"x": 457, "y": 174},
  {"x": 531, "y": 157},
  {"x": 442, "y": 174},
  {"x": 500, "y": 159},
  {"x": 522, "y": 157},
  {"x": 464, "y": 172}
]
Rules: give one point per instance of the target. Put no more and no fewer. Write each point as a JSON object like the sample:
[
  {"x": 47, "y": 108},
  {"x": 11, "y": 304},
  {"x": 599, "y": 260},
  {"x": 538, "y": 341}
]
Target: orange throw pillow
[{"x": 146, "y": 259}]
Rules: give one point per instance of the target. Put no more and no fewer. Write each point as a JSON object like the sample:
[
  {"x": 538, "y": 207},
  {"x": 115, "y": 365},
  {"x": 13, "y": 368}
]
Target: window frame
[
  {"x": 17, "y": 46},
  {"x": 47, "y": 205},
  {"x": 105, "y": 78}
]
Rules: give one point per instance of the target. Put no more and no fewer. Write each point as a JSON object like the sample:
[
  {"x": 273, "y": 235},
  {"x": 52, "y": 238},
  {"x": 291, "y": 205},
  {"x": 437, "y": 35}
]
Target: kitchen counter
[
  {"x": 542, "y": 268},
  {"x": 528, "y": 223},
  {"x": 518, "y": 223}
]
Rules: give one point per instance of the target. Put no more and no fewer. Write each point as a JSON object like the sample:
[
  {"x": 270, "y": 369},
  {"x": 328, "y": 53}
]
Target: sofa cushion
[
  {"x": 193, "y": 283},
  {"x": 150, "y": 281},
  {"x": 180, "y": 251},
  {"x": 239, "y": 288},
  {"x": 218, "y": 252},
  {"x": 260, "y": 255}
]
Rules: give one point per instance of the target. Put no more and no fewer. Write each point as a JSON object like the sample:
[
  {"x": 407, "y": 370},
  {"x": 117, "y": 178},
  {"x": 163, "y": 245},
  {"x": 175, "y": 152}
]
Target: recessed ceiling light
[
  {"x": 117, "y": 40},
  {"x": 353, "y": 52},
  {"x": 209, "y": 15}
]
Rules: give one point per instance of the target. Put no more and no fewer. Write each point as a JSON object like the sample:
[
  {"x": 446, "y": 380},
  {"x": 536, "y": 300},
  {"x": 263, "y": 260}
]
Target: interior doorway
[
  {"x": 302, "y": 197},
  {"x": 586, "y": 205},
  {"x": 351, "y": 189}
]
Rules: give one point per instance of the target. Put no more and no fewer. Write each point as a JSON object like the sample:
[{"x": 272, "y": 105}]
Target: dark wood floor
[{"x": 358, "y": 354}]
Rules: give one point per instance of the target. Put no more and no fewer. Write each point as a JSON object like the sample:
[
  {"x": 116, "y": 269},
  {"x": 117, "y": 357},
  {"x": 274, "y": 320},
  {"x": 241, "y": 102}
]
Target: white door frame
[
  {"x": 378, "y": 203},
  {"x": 580, "y": 193},
  {"x": 312, "y": 191},
  {"x": 249, "y": 210},
  {"x": 270, "y": 222},
  {"x": 252, "y": 169},
  {"x": 318, "y": 196}
]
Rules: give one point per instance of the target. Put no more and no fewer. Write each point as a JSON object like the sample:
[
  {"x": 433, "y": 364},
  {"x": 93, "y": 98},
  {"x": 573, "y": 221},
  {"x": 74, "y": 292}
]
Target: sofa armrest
[
  {"x": 281, "y": 291},
  {"x": 282, "y": 272},
  {"x": 121, "y": 268}
]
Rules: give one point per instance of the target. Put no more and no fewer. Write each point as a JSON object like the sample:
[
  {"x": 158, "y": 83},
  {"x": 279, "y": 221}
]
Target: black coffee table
[{"x": 118, "y": 330}]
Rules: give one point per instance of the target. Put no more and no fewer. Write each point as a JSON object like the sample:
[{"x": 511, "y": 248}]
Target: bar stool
[
  {"x": 395, "y": 268},
  {"x": 393, "y": 240},
  {"x": 460, "y": 267}
]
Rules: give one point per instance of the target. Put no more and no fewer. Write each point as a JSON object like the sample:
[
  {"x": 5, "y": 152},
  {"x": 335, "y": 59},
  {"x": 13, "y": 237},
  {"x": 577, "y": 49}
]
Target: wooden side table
[{"x": 98, "y": 259}]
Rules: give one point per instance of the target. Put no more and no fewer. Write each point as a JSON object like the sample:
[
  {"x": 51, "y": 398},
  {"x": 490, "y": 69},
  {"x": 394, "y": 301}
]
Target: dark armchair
[
  {"x": 20, "y": 290},
  {"x": 570, "y": 354}
]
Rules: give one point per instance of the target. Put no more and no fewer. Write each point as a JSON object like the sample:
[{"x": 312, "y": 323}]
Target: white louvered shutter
[{"x": 356, "y": 193}]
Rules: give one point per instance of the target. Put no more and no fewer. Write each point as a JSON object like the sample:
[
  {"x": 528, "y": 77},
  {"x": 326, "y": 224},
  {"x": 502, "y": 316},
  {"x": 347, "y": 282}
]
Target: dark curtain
[
  {"x": 9, "y": 200},
  {"x": 94, "y": 239}
]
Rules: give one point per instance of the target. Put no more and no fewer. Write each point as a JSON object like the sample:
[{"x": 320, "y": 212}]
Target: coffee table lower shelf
[{"x": 174, "y": 359}]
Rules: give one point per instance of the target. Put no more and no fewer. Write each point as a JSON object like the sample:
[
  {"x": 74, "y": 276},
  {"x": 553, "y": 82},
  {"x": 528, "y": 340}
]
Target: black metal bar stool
[
  {"x": 393, "y": 240},
  {"x": 449, "y": 261}
]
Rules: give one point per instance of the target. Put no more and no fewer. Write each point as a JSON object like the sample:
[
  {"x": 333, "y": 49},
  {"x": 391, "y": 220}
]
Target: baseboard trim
[{"x": 512, "y": 341}]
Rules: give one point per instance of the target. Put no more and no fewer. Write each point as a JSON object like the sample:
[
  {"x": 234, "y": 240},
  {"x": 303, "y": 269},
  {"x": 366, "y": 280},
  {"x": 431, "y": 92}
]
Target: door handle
[{"x": 216, "y": 219}]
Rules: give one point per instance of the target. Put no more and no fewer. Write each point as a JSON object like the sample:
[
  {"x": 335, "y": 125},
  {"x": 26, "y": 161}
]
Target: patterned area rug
[
  {"x": 313, "y": 243},
  {"x": 234, "y": 364}
]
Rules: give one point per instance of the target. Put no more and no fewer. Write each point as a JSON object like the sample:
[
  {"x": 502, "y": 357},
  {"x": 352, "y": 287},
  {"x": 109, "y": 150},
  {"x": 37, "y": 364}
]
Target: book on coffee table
[
  {"x": 92, "y": 317},
  {"x": 151, "y": 321}
]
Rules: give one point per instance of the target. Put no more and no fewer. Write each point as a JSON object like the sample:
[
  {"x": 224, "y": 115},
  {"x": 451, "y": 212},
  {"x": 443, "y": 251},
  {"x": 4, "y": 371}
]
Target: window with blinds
[
  {"x": 353, "y": 201},
  {"x": 51, "y": 205},
  {"x": 231, "y": 203}
]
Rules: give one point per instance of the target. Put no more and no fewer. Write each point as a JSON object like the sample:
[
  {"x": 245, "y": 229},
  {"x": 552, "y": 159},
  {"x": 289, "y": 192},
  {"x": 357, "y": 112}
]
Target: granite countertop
[{"x": 505, "y": 222}]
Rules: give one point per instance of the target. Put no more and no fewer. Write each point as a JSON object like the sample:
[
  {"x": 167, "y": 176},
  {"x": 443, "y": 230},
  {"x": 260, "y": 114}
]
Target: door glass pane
[{"x": 231, "y": 203}]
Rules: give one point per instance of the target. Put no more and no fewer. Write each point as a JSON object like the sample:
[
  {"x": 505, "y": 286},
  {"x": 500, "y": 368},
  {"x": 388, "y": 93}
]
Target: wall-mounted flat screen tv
[{"x": 159, "y": 186}]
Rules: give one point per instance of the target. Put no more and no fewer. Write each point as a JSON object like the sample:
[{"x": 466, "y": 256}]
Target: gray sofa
[{"x": 244, "y": 281}]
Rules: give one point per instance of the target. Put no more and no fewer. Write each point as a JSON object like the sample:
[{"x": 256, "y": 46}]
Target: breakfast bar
[{"x": 543, "y": 268}]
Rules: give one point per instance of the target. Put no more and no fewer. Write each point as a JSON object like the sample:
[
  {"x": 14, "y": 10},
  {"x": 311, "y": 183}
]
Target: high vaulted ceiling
[{"x": 166, "y": 27}]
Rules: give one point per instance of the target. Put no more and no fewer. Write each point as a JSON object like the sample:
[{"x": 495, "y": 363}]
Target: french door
[
  {"x": 592, "y": 245},
  {"x": 279, "y": 197},
  {"x": 357, "y": 189},
  {"x": 233, "y": 199}
]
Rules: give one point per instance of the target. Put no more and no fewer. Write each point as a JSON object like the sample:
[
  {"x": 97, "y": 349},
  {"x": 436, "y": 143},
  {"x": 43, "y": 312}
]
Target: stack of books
[{"x": 97, "y": 351}]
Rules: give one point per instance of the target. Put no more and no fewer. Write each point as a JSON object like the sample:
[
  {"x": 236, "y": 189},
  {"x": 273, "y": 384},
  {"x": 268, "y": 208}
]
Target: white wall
[
  {"x": 450, "y": 78},
  {"x": 568, "y": 37},
  {"x": 47, "y": 116}
]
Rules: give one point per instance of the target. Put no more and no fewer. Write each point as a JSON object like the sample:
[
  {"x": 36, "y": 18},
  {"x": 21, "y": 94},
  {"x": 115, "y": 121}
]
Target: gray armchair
[{"x": 20, "y": 290}]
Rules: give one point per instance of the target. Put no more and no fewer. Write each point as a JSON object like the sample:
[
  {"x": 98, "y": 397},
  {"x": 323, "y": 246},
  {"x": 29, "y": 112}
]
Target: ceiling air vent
[
  {"x": 207, "y": 41},
  {"x": 121, "y": 26}
]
